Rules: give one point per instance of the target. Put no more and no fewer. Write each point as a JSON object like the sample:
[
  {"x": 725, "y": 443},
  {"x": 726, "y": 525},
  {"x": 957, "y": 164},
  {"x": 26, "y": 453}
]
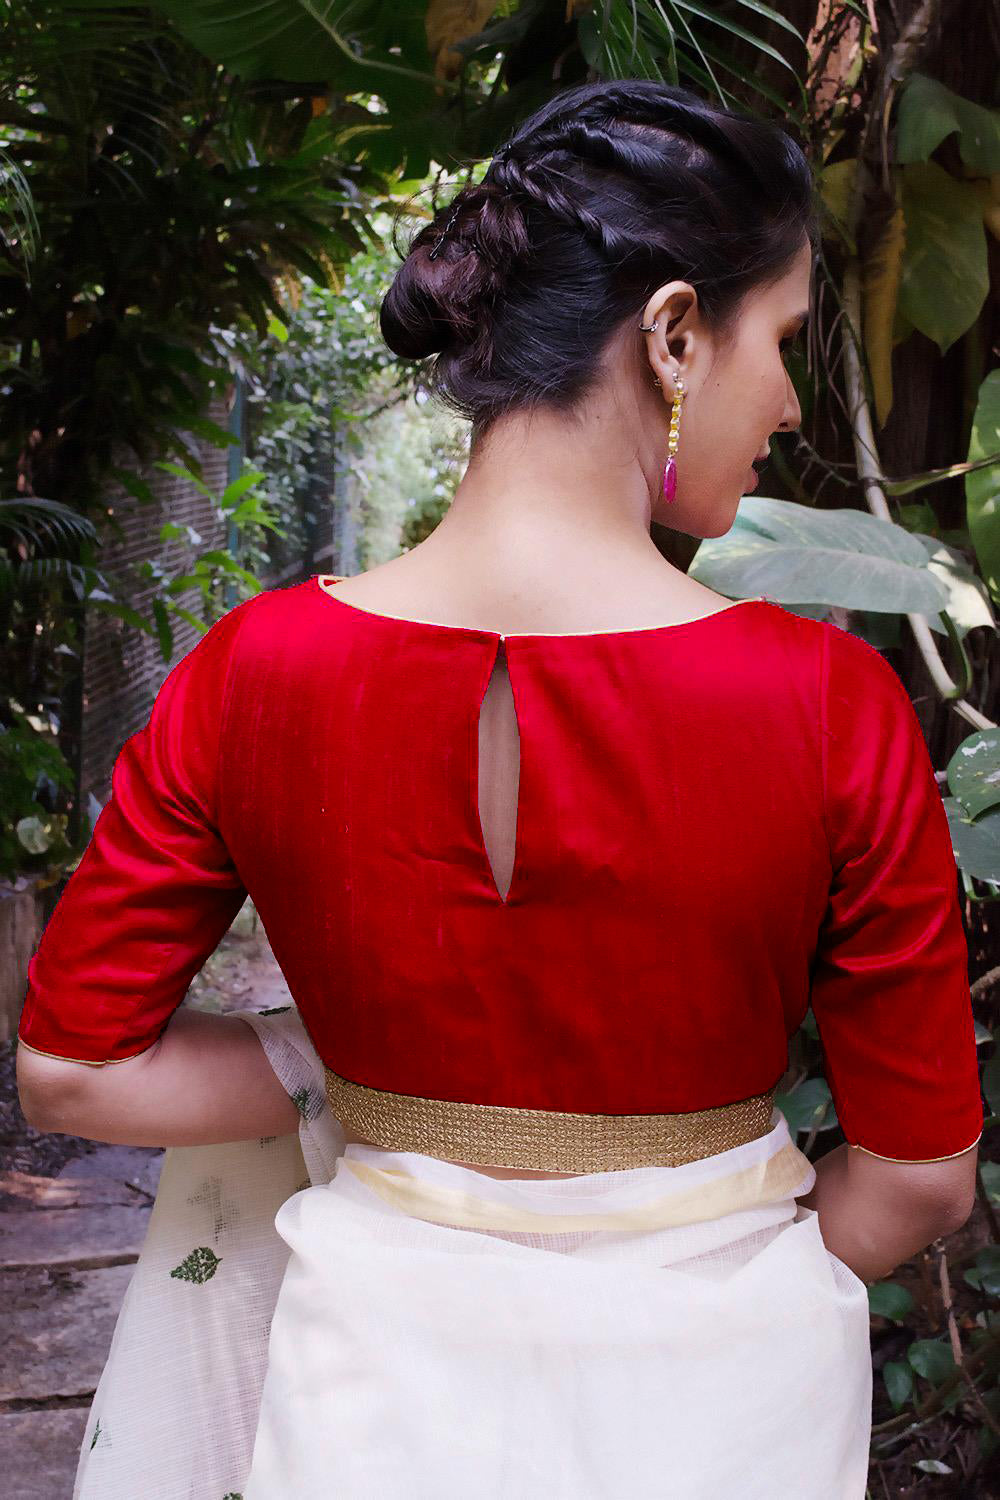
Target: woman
[{"x": 555, "y": 848}]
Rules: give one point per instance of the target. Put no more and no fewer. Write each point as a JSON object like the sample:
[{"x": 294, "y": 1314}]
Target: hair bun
[
  {"x": 606, "y": 192},
  {"x": 455, "y": 268}
]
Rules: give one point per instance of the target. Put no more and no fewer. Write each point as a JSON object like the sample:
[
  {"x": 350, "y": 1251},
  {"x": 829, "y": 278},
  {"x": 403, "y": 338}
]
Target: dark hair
[{"x": 602, "y": 195}]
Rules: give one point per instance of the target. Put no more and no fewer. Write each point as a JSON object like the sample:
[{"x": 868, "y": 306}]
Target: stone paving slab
[
  {"x": 21, "y": 1192},
  {"x": 138, "y": 1165},
  {"x": 85, "y": 1238},
  {"x": 40, "y": 1453},
  {"x": 57, "y": 1329}
]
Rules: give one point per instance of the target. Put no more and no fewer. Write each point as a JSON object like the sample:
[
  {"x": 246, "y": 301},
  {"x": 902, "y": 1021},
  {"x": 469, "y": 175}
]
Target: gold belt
[{"x": 543, "y": 1140}]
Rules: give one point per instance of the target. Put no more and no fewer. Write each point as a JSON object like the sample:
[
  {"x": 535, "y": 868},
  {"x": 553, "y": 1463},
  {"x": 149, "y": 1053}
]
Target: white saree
[{"x": 308, "y": 1320}]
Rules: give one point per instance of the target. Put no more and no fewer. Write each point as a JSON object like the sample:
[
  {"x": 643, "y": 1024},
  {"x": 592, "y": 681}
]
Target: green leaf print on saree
[
  {"x": 309, "y": 1102},
  {"x": 200, "y": 1266}
]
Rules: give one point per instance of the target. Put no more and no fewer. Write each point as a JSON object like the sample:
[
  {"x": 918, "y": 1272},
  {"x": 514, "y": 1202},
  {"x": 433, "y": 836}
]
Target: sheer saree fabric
[{"x": 306, "y": 1319}]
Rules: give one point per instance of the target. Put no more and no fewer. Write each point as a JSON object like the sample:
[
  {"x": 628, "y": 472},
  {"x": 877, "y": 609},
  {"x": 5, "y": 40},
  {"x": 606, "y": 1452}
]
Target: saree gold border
[
  {"x": 757, "y": 1184},
  {"x": 916, "y": 1161},
  {"x": 107, "y": 1062},
  {"x": 543, "y": 1140}
]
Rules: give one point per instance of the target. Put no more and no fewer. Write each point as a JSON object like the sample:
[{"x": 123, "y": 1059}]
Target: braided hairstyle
[{"x": 602, "y": 195}]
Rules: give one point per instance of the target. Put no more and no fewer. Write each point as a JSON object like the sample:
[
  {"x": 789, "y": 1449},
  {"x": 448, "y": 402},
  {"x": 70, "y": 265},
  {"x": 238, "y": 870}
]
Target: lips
[{"x": 754, "y": 470}]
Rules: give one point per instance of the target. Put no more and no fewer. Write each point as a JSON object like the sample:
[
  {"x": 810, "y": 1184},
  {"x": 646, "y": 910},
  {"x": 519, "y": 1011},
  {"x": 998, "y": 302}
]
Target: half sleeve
[
  {"x": 155, "y": 889},
  {"x": 890, "y": 989}
]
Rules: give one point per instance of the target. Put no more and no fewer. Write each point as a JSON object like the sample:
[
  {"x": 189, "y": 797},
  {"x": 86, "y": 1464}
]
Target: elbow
[
  {"x": 39, "y": 1114},
  {"x": 943, "y": 1213},
  {"x": 43, "y": 1113},
  {"x": 956, "y": 1212},
  {"x": 929, "y": 1199},
  {"x": 48, "y": 1093}
]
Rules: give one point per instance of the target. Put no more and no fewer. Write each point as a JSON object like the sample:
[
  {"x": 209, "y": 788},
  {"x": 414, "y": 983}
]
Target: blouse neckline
[{"x": 478, "y": 632}]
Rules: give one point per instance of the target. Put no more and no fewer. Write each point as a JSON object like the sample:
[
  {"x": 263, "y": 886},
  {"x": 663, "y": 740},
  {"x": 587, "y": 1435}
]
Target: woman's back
[{"x": 709, "y": 826}]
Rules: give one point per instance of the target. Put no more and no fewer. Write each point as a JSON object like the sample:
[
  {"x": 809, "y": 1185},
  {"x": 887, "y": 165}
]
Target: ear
[{"x": 674, "y": 344}]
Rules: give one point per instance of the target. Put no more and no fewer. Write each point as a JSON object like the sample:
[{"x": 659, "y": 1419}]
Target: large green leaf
[
  {"x": 887, "y": 1299},
  {"x": 982, "y": 487},
  {"x": 835, "y": 183},
  {"x": 809, "y": 1107},
  {"x": 898, "y": 1382},
  {"x": 931, "y": 1358},
  {"x": 929, "y": 112},
  {"x": 976, "y": 843},
  {"x": 973, "y": 772},
  {"x": 342, "y": 42},
  {"x": 986, "y": 1272},
  {"x": 968, "y": 602},
  {"x": 945, "y": 275},
  {"x": 797, "y": 555}
]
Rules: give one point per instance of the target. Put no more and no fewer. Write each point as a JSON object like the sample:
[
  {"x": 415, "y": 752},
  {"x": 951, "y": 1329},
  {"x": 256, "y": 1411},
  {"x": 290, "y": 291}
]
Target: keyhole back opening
[{"x": 499, "y": 774}]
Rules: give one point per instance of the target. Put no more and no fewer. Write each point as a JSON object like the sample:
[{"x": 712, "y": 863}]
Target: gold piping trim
[
  {"x": 917, "y": 1160},
  {"x": 759, "y": 1183},
  {"x": 543, "y": 1140},
  {"x": 87, "y": 1062},
  {"x": 561, "y": 635}
]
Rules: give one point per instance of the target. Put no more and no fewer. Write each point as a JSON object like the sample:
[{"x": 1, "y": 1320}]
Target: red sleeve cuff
[{"x": 90, "y": 1062}]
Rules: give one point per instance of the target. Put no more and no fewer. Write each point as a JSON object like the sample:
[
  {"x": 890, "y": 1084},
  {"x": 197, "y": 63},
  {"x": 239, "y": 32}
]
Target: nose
[{"x": 791, "y": 417}]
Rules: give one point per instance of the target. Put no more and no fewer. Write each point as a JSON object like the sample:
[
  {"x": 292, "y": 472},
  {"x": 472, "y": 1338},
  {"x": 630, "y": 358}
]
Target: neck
[{"x": 541, "y": 487}]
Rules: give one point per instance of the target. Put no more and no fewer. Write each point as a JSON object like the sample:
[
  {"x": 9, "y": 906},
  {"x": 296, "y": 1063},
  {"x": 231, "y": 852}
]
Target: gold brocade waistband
[{"x": 543, "y": 1140}]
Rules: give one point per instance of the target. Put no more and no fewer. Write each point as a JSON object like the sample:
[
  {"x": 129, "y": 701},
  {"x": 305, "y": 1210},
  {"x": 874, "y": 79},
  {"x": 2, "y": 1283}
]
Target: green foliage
[
  {"x": 929, "y": 113},
  {"x": 932, "y": 1359},
  {"x": 32, "y": 837},
  {"x": 945, "y": 277},
  {"x": 973, "y": 772},
  {"x": 982, "y": 486},
  {"x": 808, "y": 1107},
  {"x": 32, "y": 532},
  {"x": 809, "y": 560},
  {"x": 689, "y": 42},
  {"x": 887, "y": 1299},
  {"x": 353, "y": 47},
  {"x": 985, "y": 1274},
  {"x": 334, "y": 416},
  {"x": 976, "y": 842},
  {"x": 404, "y": 467},
  {"x": 899, "y": 1382},
  {"x": 169, "y": 202}
]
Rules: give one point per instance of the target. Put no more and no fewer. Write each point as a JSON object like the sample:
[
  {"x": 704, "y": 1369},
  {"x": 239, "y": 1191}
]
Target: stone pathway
[{"x": 67, "y": 1247}]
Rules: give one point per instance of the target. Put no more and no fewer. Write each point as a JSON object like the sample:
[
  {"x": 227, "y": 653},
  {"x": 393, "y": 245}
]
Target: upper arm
[
  {"x": 48, "y": 1087},
  {"x": 153, "y": 894},
  {"x": 890, "y": 987}
]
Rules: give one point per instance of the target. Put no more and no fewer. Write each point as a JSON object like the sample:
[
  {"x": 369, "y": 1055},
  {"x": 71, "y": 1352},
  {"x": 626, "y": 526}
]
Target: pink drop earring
[{"x": 670, "y": 472}]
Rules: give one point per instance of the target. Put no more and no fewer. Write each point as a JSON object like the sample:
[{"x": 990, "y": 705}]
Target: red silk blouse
[{"x": 719, "y": 823}]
